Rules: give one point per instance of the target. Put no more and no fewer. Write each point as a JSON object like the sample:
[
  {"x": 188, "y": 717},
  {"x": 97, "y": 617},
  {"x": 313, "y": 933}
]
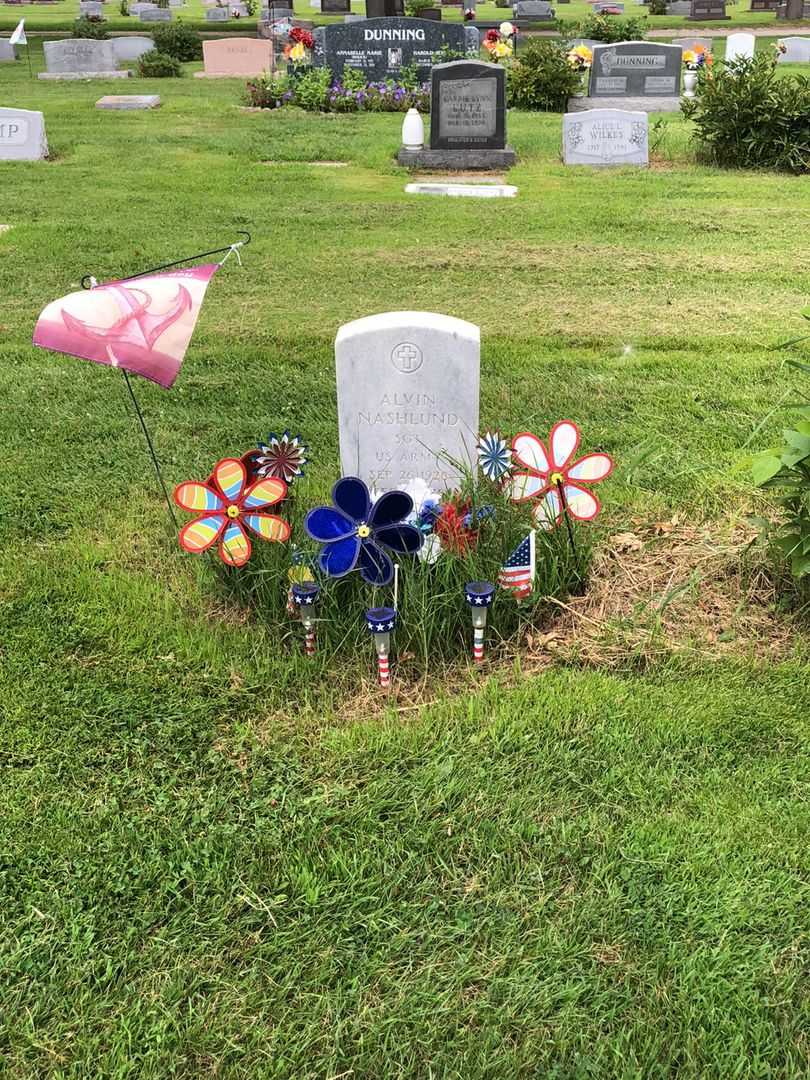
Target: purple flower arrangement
[{"x": 378, "y": 97}]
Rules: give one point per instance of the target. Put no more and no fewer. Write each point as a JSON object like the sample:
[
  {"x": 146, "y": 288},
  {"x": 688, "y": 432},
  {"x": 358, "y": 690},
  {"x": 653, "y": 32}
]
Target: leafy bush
[
  {"x": 311, "y": 89},
  {"x": 89, "y": 26},
  {"x": 657, "y": 7},
  {"x": 123, "y": 7},
  {"x": 269, "y": 91},
  {"x": 541, "y": 77},
  {"x": 786, "y": 469},
  {"x": 178, "y": 41},
  {"x": 609, "y": 29},
  {"x": 159, "y": 65},
  {"x": 748, "y": 117}
]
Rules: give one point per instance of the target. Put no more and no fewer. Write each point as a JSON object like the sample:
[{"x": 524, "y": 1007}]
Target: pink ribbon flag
[{"x": 143, "y": 325}]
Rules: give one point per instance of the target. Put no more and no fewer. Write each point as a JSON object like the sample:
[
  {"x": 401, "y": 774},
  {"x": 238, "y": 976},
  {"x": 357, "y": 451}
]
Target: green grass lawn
[{"x": 220, "y": 860}]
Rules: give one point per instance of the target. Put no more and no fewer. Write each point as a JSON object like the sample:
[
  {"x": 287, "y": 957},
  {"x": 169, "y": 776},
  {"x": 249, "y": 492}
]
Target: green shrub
[
  {"x": 749, "y": 117},
  {"x": 657, "y": 7},
  {"x": 178, "y": 41},
  {"x": 541, "y": 77},
  {"x": 159, "y": 65},
  {"x": 786, "y": 469},
  {"x": 123, "y": 7},
  {"x": 312, "y": 89},
  {"x": 89, "y": 26},
  {"x": 609, "y": 29}
]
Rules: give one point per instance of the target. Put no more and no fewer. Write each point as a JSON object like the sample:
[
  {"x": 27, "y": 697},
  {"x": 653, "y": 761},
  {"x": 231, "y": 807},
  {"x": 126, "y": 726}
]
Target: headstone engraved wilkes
[
  {"x": 407, "y": 388},
  {"x": 605, "y": 137},
  {"x": 380, "y": 48}
]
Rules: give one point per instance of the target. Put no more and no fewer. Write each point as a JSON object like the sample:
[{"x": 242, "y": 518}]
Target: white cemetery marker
[
  {"x": 407, "y": 391},
  {"x": 739, "y": 46},
  {"x": 22, "y": 135}
]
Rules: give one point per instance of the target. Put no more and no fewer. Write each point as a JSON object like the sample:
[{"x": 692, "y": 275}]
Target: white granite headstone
[
  {"x": 740, "y": 46},
  {"x": 131, "y": 48},
  {"x": 798, "y": 51},
  {"x": 605, "y": 137},
  {"x": 6, "y": 50},
  {"x": 22, "y": 135},
  {"x": 407, "y": 392}
]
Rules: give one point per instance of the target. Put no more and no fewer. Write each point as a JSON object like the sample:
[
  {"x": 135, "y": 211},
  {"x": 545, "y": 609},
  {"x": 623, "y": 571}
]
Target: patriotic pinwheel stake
[
  {"x": 226, "y": 504},
  {"x": 305, "y": 597},
  {"x": 494, "y": 455},
  {"x": 283, "y": 456},
  {"x": 553, "y": 479},
  {"x": 479, "y": 595},
  {"x": 380, "y": 622},
  {"x": 354, "y": 533}
]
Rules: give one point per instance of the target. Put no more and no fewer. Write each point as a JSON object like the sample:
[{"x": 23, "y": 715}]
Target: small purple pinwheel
[{"x": 354, "y": 532}]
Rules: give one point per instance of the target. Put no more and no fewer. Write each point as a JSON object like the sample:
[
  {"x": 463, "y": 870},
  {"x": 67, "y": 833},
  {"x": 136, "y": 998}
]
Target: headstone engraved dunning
[
  {"x": 407, "y": 390},
  {"x": 637, "y": 75},
  {"x": 605, "y": 137},
  {"x": 380, "y": 48},
  {"x": 22, "y": 135}
]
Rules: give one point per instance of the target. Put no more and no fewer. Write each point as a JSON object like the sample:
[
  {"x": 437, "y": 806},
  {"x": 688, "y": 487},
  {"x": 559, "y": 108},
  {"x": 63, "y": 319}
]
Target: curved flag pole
[{"x": 88, "y": 282}]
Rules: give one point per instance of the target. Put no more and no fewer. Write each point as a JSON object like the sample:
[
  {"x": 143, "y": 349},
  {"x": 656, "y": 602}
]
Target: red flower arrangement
[
  {"x": 491, "y": 36},
  {"x": 453, "y": 528},
  {"x": 299, "y": 34}
]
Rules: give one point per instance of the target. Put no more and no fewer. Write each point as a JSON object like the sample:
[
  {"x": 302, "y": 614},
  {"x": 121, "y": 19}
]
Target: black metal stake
[
  {"x": 150, "y": 444},
  {"x": 568, "y": 523}
]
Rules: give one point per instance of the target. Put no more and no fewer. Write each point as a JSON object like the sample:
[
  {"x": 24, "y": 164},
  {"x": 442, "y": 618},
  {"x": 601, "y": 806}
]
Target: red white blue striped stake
[
  {"x": 384, "y": 669},
  {"x": 304, "y": 597},
  {"x": 309, "y": 643},
  {"x": 478, "y": 644},
  {"x": 380, "y": 622}
]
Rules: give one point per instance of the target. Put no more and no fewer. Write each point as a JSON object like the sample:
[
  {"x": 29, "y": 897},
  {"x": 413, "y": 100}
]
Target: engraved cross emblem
[{"x": 406, "y": 357}]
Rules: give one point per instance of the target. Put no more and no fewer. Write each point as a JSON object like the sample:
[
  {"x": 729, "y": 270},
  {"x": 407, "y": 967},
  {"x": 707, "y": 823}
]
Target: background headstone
[
  {"x": 91, "y": 9},
  {"x": 692, "y": 42},
  {"x": 467, "y": 106},
  {"x": 6, "y": 50},
  {"x": 77, "y": 55},
  {"x": 380, "y": 48},
  {"x": 798, "y": 51},
  {"x": 237, "y": 57},
  {"x": 157, "y": 15},
  {"x": 739, "y": 46},
  {"x": 335, "y": 7},
  {"x": 764, "y": 5},
  {"x": 636, "y": 69},
  {"x": 131, "y": 48},
  {"x": 216, "y": 14},
  {"x": 705, "y": 10},
  {"x": 605, "y": 137},
  {"x": 407, "y": 392},
  {"x": 138, "y": 9},
  {"x": 533, "y": 9},
  {"x": 605, "y": 7},
  {"x": 129, "y": 102},
  {"x": 22, "y": 135}
]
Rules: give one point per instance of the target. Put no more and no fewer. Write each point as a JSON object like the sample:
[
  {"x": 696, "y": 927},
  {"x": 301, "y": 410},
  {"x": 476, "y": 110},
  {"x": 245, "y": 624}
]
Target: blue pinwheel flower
[
  {"x": 354, "y": 533},
  {"x": 494, "y": 455}
]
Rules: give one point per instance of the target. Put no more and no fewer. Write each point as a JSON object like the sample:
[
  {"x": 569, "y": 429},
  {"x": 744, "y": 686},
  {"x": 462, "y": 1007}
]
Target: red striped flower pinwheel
[
  {"x": 225, "y": 504},
  {"x": 553, "y": 479}
]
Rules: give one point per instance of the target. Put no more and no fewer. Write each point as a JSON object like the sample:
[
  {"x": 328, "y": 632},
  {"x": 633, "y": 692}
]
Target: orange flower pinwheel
[{"x": 225, "y": 505}]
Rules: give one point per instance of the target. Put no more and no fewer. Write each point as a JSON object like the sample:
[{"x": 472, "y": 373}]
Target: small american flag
[{"x": 517, "y": 573}]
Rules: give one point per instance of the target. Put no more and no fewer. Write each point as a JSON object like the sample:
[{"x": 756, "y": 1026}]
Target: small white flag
[{"x": 18, "y": 37}]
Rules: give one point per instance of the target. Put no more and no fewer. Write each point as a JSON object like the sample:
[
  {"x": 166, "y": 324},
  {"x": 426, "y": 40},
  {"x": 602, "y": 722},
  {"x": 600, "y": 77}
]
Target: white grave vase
[
  {"x": 413, "y": 130},
  {"x": 689, "y": 83}
]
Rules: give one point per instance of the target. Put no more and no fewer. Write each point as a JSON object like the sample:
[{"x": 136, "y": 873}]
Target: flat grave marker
[{"x": 605, "y": 137}]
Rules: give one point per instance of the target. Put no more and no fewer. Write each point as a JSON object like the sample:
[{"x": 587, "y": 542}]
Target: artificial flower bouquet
[{"x": 697, "y": 58}]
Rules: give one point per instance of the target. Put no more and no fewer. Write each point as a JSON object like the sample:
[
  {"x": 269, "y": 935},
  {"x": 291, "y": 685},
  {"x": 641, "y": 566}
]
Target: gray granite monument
[{"x": 380, "y": 48}]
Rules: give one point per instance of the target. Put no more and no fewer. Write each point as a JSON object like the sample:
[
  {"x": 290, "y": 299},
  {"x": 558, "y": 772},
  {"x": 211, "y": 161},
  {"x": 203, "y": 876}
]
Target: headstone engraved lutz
[
  {"x": 407, "y": 389},
  {"x": 605, "y": 137},
  {"x": 80, "y": 58},
  {"x": 22, "y": 135},
  {"x": 380, "y": 48},
  {"x": 467, "y": 119}
]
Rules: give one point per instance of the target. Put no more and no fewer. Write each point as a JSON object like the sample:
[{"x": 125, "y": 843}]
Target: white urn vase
[
  {"x": 689, "y": 83},
  {"x": 413, "y": 131}
]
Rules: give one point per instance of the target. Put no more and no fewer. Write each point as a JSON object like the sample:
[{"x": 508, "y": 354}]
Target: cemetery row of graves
[{"x": 404, "y": 599}]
